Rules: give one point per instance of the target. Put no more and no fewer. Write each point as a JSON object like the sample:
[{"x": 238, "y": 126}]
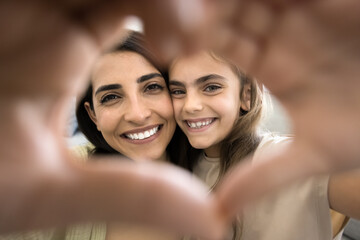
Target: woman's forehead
[{"x": 120, "y": 66}]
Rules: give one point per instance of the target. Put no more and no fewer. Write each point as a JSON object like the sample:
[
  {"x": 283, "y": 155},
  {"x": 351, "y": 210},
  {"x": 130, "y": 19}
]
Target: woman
[{"x": 127, "y": 110}]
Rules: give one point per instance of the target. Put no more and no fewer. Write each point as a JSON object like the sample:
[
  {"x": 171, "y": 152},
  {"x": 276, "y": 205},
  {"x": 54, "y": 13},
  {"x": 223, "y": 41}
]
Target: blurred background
[{"x": 275, "y": 120}]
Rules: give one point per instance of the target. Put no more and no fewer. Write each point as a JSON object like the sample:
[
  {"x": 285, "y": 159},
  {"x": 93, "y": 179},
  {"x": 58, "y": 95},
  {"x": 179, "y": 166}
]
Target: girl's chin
[{"x": 199, "y": 145}]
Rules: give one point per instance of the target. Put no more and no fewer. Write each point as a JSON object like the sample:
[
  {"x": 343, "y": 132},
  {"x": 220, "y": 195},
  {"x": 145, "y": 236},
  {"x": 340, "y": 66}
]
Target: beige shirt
[{"x": 298, "y": 212}]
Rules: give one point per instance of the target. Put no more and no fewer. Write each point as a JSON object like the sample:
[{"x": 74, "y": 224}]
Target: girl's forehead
[{"x": 198, "y": 65}]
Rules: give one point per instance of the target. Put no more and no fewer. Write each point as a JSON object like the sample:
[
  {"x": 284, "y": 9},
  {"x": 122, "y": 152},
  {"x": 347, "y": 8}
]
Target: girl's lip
[
  {"x": 199, "y": 119},
  {"x": 199, "y": 125}
]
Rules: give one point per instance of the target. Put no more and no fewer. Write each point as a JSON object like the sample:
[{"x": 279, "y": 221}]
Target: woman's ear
[
  {"x": 246, "y": 97},
  {"x": 91, "y": 112}
]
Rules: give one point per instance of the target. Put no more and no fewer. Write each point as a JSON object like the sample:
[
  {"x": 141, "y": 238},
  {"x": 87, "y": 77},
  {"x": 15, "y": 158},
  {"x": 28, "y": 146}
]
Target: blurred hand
[
  {"x": 47, "y": 49},
  {"x": 307, "y": 53}
]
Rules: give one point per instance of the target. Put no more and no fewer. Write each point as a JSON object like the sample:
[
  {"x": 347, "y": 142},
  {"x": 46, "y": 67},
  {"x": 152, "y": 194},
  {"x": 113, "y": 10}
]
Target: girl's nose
[{"x": 193, "y": 104}]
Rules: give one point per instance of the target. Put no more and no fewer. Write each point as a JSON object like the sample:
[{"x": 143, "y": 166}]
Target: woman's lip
[
  {"x": 139, "y": 130},
  {"x": 145, "y": 140}
]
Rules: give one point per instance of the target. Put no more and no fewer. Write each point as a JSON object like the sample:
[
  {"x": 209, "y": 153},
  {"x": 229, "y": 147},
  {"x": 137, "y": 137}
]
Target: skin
[
  {"x": 214, "y": 100},
  {"x": 131, "y": 107},
  {"x": 315, "y": 41},
  {"x": 217, "y": 98},
  {"x": 300, "y": 50},
  {"x": 46, "y": 56},
  {"x": 123, "y": 105}
]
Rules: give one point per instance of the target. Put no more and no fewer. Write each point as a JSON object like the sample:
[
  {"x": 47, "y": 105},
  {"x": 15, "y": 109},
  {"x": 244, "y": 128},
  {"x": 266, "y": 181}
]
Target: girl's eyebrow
[
  {"x": 108, "y": 87},
  {"x": 208, "y": 77},
  {"x": 199, "y": 80},
  {"x": 176, "y": 83}
]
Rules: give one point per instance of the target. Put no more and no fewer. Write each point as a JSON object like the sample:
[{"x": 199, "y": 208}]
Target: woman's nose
[{"x": 137, "y": 112}]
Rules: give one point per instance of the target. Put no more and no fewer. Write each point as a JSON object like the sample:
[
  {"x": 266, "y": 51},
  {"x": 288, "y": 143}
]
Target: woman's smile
[{"x": 144, "y": 135}]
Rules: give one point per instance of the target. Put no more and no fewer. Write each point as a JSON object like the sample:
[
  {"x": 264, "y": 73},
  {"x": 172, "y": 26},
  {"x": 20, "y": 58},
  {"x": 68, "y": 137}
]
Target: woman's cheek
[{"x": 107, "y": 120}]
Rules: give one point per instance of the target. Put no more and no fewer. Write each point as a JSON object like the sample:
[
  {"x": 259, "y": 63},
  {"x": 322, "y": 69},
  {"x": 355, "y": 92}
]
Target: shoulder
[
  {"x": 270, "y": 142},
  {"x": 82, "y": 151}
]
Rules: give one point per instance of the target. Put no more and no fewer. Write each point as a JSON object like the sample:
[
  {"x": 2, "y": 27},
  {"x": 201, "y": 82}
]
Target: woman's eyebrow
[
  {"x": 108, "y": 87},
  {"x": 148, "y": 77}
]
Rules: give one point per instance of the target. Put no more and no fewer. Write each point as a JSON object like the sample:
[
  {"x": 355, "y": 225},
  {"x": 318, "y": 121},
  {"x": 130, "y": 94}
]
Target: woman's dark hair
[{"x": 133, "y": 43}]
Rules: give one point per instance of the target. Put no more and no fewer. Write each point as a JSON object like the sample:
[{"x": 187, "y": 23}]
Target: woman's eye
[
  {"x": 212, "y": 88},
  {"x": 108, "y": 98},
  {"x": 154, "y": 87}
]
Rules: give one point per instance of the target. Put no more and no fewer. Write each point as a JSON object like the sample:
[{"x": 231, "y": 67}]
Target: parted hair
[{"x": 133, "y": 43}]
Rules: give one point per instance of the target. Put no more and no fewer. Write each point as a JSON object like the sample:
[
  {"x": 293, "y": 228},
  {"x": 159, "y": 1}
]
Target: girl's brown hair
[{"x": 244, "y": 137}]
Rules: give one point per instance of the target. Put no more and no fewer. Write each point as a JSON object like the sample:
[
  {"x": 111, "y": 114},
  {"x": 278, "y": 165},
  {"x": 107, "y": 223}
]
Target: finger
[
  {"x": 182, "y": 28},
  {"x": 270, "y": 172},
  {"x": 155, "y": 195},
  {"x": 171, "y": 26}
]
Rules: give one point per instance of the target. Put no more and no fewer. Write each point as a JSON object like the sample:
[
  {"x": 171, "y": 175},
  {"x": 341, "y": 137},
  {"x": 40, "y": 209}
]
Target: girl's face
[
  {"x": 206, "y": 100},
  {"x": 132, "y": 106}
]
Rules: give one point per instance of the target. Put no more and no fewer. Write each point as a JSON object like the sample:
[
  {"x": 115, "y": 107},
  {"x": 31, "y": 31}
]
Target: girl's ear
[
  {"x": 246, "y": 97},
  {"x": 90, "y": 112}
]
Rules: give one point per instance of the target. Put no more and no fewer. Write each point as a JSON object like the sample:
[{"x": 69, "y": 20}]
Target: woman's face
[
  {"x": 132, "y": 106},
  {"x": 206, "y": 99}
]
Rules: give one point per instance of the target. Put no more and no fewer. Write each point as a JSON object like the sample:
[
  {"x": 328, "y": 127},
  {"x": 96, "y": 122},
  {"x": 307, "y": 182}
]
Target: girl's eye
[
  {"x": 108, "y": 98},
  {"x": 154, "y": 87},
  {"x": 212, "y": 88},
  {"x": 177, "y": 92}
]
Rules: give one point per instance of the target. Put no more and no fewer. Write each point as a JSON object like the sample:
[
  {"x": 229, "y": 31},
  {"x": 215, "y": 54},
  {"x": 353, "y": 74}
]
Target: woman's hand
[{"x": 47, "y": 49}]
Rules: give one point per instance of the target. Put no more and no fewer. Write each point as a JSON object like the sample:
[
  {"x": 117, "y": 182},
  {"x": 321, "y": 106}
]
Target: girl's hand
[{"x": 307, "y": 54}]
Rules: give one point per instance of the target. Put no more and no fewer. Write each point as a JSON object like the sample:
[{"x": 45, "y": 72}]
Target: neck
[
  {"x": 213, "y": 151},
  {"x": 162, "y": 158}
]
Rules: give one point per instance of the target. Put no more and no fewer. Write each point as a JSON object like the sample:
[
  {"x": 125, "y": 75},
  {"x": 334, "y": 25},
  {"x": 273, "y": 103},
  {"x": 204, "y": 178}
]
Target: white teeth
[
  {"x": 143, "y": 135},
  {"x": 147, "y": 134},
  {"x": 199, "y": 124}
]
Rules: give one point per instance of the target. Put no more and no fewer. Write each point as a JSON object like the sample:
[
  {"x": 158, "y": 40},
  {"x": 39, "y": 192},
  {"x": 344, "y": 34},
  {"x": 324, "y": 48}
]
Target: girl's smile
[
  {"x": 206, "y": 99},
  {"x": 199, "y": 125}
]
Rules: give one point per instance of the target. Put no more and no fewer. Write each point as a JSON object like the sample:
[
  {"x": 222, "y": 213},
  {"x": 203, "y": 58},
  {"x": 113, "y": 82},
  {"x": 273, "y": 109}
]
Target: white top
[{"x": 298, "y": 212}]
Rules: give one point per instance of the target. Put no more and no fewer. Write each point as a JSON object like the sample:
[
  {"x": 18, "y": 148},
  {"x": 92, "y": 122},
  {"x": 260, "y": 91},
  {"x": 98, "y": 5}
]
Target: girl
[{"x": 219, "y": 108}]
